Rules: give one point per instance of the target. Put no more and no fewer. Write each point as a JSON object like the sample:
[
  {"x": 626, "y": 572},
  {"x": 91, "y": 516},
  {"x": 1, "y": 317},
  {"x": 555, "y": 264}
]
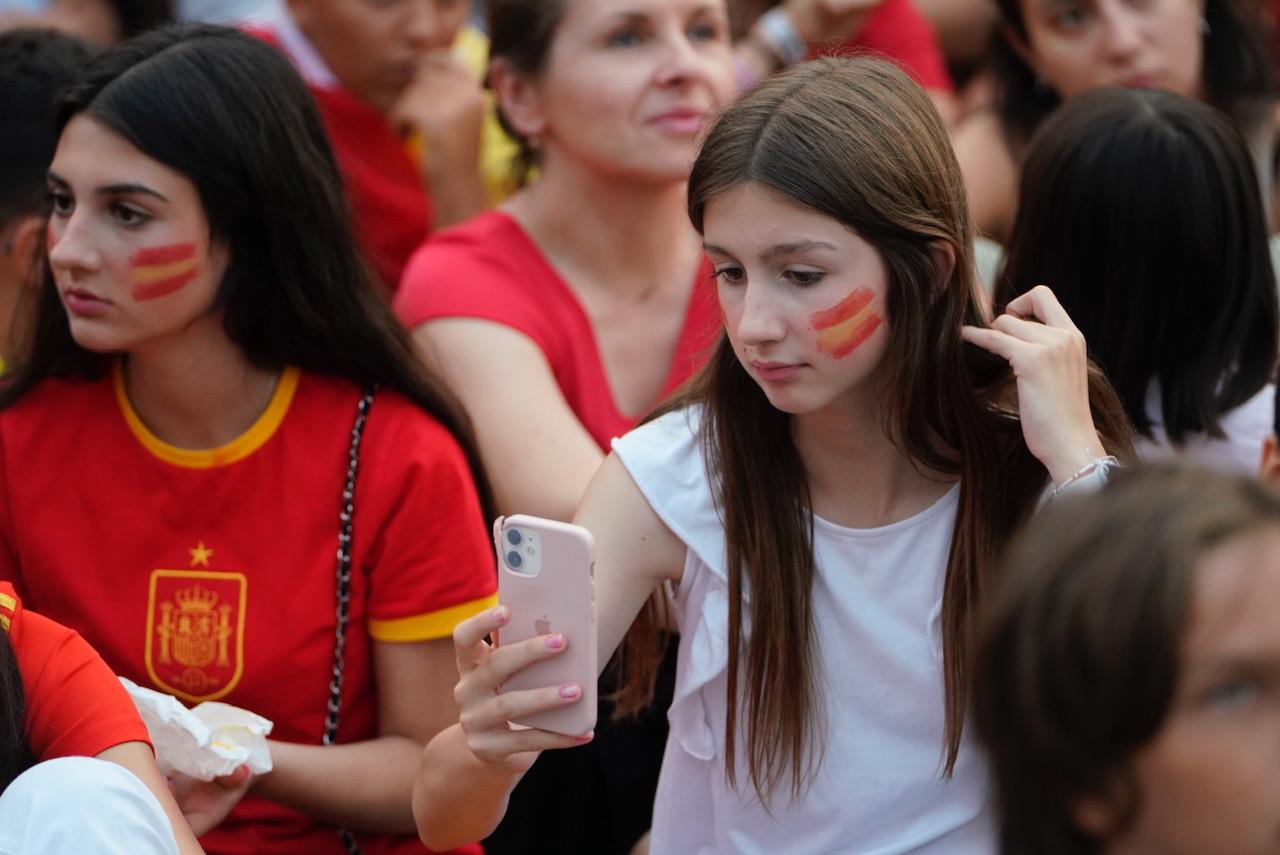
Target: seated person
[
  {"x": 1141, "y": 210},
  {"x": 35, "y": 66},
  {"x": 1125, "y": 674},
  {"x": 403, "y": 114},
  {"x": 60, "y": 706}
]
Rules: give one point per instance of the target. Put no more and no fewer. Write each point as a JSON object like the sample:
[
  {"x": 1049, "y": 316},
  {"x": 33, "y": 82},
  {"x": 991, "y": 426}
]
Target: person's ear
[
  {"x": 944, "y": 262},
  {"x": 1270, "y": 470},
  {"x": 1095, "y": 815},
  {"x": 518, "y": 98}
]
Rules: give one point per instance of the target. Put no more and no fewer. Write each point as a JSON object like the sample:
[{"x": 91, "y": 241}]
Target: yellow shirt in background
[{"x": 498, "y": 151}]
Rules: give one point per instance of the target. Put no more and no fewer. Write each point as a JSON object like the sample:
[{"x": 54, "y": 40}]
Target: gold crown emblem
[{"x": 196, "y": 598}]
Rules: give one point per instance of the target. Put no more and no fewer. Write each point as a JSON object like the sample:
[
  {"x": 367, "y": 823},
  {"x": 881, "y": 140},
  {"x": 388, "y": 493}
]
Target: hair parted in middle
[
  {"x": 1141, "y": 210},
  {"x": 857, "y": 141}
]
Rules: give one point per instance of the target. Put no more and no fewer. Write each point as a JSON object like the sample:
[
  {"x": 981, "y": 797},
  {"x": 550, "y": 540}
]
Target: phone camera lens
[
  {"x": 513, "y": 537},
  {"x": 514, "y": 559}
]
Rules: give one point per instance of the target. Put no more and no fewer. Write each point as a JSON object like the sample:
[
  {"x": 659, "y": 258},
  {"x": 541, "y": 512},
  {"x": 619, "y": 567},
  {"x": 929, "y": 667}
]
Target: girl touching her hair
[
  {"x": 828, "y": 499},
  {"x": 213, "y": 402}
]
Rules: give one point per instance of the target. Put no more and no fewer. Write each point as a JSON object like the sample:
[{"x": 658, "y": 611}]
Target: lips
[
  {"x": 84, "y": 303},
  {"x": 681, "y": 120},
  {"x": 774, "y": 370}
]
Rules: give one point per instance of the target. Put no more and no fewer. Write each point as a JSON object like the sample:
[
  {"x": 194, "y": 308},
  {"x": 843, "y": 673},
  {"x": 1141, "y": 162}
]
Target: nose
[
  {"x": 71, "y": 248},
  {"x": 681, "y": 61},
  {"x": 425, "y": 26},
  {"x": 1122, "y": 31},
  {"x": 761, "y": 321}
]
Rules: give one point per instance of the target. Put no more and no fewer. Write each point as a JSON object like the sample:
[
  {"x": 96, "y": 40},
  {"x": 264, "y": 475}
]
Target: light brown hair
[{"x": 858, "y": 141}]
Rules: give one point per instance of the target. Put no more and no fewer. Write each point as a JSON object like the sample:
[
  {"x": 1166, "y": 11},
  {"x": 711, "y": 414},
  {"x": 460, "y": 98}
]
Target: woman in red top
[
  {"x": 59, "y": 700},
  {"x": 178, "y": 444}
]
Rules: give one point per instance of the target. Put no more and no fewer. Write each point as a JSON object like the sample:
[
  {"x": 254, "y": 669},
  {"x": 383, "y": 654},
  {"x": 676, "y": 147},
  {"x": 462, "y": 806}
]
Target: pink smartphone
[{"x": 546, "y": 573}]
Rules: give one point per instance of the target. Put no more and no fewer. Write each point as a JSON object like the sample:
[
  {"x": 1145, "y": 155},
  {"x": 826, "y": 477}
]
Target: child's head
[
  {"x": 374, "y": 47},
  {"x": 1142, "y": 211},
  {"x": 1127, "y": 671}
]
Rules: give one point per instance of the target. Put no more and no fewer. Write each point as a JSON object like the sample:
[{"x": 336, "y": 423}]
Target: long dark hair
[
  {"x": 1237, "y": 70},
  {"x": 231, "y": 114},
  {"x": 858, "y": 141},
  {"x": 1078, "y": 646},
  {"x": 15, "y": 753},
  {"x": 1142, "y": 211}
]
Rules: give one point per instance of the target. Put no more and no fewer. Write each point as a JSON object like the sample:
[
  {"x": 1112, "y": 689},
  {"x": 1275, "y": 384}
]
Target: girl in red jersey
[{"x": 189, "y": 439}]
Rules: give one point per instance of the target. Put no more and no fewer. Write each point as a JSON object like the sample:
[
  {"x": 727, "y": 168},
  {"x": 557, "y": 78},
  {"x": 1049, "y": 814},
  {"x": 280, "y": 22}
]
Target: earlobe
[
  {"x": 1270, "y": 468},
  {"x": 517, "y": 98},
  {"x": 22, "y": 242},
  {"x": 944, "y": 261}
]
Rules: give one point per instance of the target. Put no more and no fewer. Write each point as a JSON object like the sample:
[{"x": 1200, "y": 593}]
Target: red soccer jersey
[
  {"x": 898, "y": 31},
  {"x": 76, "y": 706},
  {"x": 489, "y": 268},
  {"x": 390, "y": 208},
  {"x": 211, "y": 574}
]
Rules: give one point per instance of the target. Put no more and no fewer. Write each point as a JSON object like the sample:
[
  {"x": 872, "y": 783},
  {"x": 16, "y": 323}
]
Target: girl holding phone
[{"x": 828, "y": 499}]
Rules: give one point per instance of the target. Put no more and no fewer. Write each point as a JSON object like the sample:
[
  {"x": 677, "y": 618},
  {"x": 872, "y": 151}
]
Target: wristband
[
  {"x": 779, "y": 35},
  {"x": 1097, "y": 468}
]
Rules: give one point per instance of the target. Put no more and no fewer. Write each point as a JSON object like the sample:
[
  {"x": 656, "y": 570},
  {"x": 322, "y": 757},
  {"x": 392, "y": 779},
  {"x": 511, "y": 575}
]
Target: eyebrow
[
  {"x": 777, "y": 250},
  {"x": 632, "y": 16},
  {"x": 112, "y": 189}
]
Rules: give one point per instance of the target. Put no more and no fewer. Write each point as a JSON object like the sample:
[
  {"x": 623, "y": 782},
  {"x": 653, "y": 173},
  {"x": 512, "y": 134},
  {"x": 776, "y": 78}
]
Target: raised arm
[
  {"x": 539, "y": 455},
  {"x": 469, "y": 769}
]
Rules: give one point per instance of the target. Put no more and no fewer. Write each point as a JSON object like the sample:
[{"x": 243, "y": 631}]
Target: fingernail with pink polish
[
  {"x": 499, "y": 614},
  {"x": 569, "y": 691},
  {"x": 555, "y": 642}
]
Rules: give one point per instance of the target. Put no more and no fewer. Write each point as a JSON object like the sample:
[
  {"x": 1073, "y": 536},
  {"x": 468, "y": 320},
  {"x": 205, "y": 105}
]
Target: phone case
[{"x": 560, "y": 598}]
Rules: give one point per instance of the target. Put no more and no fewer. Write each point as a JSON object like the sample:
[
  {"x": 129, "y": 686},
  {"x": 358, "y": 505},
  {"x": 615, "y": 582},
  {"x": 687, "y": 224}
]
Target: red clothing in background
[
  {"x": 75, "y": 703},
  {"x": 901, "y": 33},
  {"x": 489, "y": 268}
]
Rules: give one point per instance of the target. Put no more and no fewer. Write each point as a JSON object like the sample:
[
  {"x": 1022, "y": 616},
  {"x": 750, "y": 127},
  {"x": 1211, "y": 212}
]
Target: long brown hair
[
  {"x": 856, "y": 140},
  {"x": 1078, "y": 646}
]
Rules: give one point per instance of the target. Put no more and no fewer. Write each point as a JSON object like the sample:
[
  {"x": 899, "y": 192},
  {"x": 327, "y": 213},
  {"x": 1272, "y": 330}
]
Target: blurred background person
[
  {"x": 104, "y": 22},
  {"x": 1141, "y": 210},
  {"x": 1125, "y": 681}
]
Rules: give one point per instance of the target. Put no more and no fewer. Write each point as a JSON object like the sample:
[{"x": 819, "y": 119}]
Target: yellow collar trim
[{"x": 238, "y": 449}]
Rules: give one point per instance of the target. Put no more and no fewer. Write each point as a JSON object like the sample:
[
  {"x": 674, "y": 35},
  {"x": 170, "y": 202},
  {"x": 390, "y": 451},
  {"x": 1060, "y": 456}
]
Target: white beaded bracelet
[{"x": 1099, "y": 467}]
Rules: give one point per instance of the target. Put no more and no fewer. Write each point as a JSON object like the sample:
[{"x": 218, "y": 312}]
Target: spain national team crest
[{"x": 195, "y": 632}]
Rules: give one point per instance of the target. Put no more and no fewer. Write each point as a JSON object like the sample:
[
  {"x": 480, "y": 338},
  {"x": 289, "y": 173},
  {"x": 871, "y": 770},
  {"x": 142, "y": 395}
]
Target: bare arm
[
  {"x": 990, "y": 175},
  {"x": 539, "y": 455},
  {"x": 138, "y": 759},
  {"x": 469, "y": 770},
  {"x": 368, "y": 785}
]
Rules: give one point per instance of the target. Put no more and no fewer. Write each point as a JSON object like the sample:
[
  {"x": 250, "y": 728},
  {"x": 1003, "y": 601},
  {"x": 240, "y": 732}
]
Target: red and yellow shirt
[
  {"x": 75, "y": 705},
  {"x": 211, "y": 574}
]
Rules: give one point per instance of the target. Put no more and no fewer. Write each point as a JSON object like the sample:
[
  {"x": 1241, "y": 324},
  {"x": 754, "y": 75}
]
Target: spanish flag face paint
[
  {"x": 162, "y": 270},
  {"x": 846, "y": 325}
]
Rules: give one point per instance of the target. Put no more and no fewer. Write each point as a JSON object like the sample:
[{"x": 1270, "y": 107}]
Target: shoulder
[
  {"x": 665, "y": 458},
  {"x": 54, "y": 402},
  {"x": 477, "y": 269}
]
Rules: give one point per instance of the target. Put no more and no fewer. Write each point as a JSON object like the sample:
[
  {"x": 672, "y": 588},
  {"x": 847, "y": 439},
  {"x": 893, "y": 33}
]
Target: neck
[
  {"x": 627, "y": 237},
  {"x": 857, "y": 476},
  {"x": 196, "y": 389}
]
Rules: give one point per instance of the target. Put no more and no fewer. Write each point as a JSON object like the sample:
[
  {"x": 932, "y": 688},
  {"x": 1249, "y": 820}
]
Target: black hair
[
  {"x": 231, "y": 114},
  {"x": 15, "y": 752},
  {"x": 36, "y": 66},
  {"x": 1237, "y": 69},
  {"x": 138, "y": 16},
  {"x": 1141, "y": 210}
]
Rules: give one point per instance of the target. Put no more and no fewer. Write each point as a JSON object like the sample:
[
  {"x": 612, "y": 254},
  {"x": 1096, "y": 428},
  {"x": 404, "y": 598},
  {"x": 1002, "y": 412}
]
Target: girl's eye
[
  {"x": 128, "y": 216},
  {"x": 625, "y": 38},
  {"x": 62, "y": 202},
  {"x": 1231, "y": 695},
  {"x": 1069, "y": 17},
  {"x": 730, "y": 274},
  {"x": 805, "y": 277},
  {"x": 704, "y": 33}
]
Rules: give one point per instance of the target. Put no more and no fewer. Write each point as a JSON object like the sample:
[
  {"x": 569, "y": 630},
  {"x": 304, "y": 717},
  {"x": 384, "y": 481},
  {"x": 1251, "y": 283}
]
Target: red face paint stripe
[
  {"x": 163, "y": 287},
  {"x": 842, "y": 311},
  {"x": 163, "y": 254},
  {"x": 863, "y": 332}
]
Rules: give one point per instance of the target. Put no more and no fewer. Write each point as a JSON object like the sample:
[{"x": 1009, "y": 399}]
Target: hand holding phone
[{"x": 546, "y": 580}]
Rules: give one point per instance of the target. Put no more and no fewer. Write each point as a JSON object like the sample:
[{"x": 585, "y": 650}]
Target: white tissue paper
[{"x": 205, "y": 742}]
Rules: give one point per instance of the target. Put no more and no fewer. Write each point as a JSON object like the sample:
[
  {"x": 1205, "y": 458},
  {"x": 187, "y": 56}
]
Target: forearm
[
  {"x": 457, "y": 799},
  {"x": 365, "y": 786}
]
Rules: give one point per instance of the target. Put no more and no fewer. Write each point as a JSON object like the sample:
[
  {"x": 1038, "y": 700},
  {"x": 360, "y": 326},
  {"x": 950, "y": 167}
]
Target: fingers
[
  {"x": 496, "y": 711},
  {"x": 469, "y": 636},
  {"x": 495, "y": 746},
  {"x": 994, "y": 341},
  {"x": 500, "y": 663},
  {"x": 238, "y": 777},
  {"x": 1041, "y": 304}
]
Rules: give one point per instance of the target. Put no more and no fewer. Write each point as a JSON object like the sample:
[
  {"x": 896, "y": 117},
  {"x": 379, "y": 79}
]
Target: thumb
[{"x": 237, "y": 777}]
